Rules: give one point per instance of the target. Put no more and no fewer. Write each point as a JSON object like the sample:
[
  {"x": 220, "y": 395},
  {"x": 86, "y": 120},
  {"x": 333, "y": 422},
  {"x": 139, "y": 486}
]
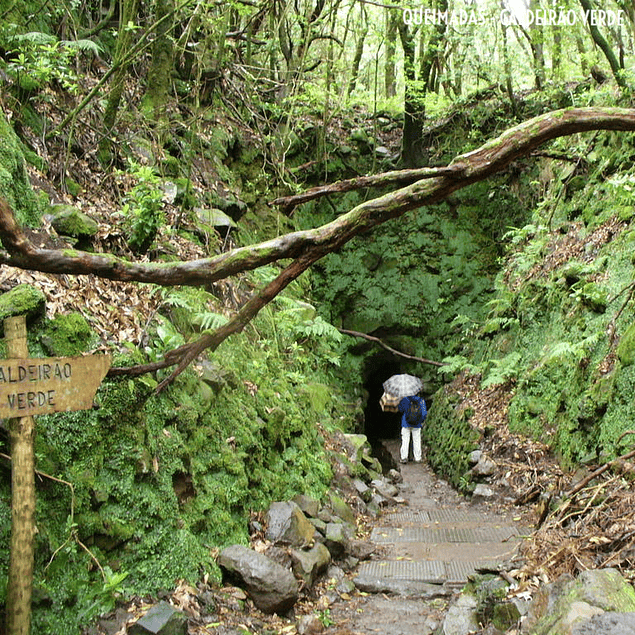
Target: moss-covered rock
[
  {"x": 626, "y": 347},
  {"x": 556, "y": 606},
  {"x": 14, "y": 180},
  {"x": 69, "y": 221},
  {"x": 23, "y": 299},
  {"x": 67, "y": 335}
]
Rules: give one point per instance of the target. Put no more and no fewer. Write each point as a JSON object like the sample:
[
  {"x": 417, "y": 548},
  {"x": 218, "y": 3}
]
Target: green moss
[
  {"x": 626, "y": 347},
  {"x": 67, "y": 335},
  {"x": 14, "y": 181},
  {"x": 23, "y": 299},
  {"x": 450, "y": 439},
  {"x": 69, "y": 221}
]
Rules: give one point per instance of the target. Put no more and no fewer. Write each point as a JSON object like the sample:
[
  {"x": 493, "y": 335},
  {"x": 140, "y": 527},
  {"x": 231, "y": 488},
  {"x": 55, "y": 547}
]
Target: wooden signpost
[{"x": 29, "y": 387}]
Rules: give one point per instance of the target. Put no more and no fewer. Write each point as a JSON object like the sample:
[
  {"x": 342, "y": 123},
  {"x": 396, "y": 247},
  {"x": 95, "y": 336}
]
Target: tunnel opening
[{"x": 379, "y": 425}]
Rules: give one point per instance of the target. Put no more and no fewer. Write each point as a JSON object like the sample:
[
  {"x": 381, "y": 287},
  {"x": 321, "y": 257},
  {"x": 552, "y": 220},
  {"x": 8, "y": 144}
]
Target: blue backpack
[{"x": 414, "y": 414}]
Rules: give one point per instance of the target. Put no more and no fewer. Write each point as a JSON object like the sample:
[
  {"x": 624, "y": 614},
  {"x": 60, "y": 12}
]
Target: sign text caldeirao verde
[{"x": 43, "y": 386}]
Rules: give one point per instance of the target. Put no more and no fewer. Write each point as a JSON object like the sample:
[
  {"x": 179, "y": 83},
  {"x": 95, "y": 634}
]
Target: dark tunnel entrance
[{"x": 378, "y": 424}]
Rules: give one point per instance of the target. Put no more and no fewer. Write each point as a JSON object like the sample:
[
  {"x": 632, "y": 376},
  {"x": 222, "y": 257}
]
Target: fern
[
  {"x": 83, "y": 46},
  {"x": 207, "y": 320},
  {"x": 317, "y": 329},
  {"x": 455, "y": 364},
  {"x": 503, "y": 370},
  {"x": 32, "y": 39},
  {"x": 566, "y": 351}
]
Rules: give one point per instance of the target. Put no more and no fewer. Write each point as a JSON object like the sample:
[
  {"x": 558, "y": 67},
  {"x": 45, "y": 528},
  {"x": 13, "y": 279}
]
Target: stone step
[{"x": 439, "y": 546}]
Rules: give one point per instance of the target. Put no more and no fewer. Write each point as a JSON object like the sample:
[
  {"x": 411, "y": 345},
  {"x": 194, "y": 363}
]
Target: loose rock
[
  {"x": 286, "y": 524},
  {"x": 272, "y": 588},
  {"x": 161, "y": 619}
]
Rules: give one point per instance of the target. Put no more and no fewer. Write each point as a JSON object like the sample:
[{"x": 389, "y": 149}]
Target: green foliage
[
  {"x": 143, "y": 208},
  {"x": 503, "y": 370},
  {"x": 626, "y": 347},
  {"x": 15, "y": 186},
  {"x": 450, "y": 439},
  {"x": 159, "y": 480},
  {"x": 39, "y": 58}
]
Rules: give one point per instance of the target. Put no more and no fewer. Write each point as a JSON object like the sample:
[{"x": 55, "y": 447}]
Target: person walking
[{"x": 413, "y": 413}]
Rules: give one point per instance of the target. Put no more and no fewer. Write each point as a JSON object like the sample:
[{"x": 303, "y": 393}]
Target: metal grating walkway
[
  {"x": 431, "y": 572},
  {"x": 435, "y": 535},
  {"x": 438, "y": 546}
]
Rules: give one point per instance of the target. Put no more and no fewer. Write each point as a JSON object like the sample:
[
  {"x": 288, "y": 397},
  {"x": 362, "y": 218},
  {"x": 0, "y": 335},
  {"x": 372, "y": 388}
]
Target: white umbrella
[
  {"x": 396, "y": 388},
  {"x": 403, "y": 385}
]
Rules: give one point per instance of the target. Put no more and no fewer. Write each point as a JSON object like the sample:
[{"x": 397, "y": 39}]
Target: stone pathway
[{"x": 425, "y": 552}]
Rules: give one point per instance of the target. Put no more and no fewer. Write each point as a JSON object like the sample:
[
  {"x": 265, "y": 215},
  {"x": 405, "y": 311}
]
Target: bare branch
[
  {"x": 395, "y": 177},
  {"x": 394, "y": 351}
]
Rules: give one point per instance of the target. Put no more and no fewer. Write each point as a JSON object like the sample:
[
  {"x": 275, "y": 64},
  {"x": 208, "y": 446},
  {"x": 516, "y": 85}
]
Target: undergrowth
[{"x": 147, "y": 487}]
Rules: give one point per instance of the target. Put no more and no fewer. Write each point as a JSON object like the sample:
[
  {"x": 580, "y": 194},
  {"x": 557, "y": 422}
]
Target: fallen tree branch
[
  {"x": 288, "y": 204},
  {"x": 463, "y": 171},
  {"x": 183, "y": 356},
  {"x": 587, "y": 479},
  {"x": 371, "y": 338},
  {"x": 305, "y": 247}
]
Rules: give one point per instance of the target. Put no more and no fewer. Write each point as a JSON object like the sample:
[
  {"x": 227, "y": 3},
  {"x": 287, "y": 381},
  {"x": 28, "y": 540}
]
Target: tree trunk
[
  {"x": 584, "y": 63},
  {"x": 509, "y": 85},
  {"x": 359, "y": 51},
  {"x": 390, "y": 75},
  {"x": 536, "y": 39},
  {"x": 412, "y": 152},
  {"x": 125, "y": 38},
  {"x": 598, "y": 38},
  {"x": 431, "y": 60},
  {"x": 22, "y": 433},
  {"x": 160, "y": 72}
]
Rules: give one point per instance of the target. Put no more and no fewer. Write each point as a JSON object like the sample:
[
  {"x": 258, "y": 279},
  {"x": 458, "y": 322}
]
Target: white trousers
[{"x": 405, "y": 443}]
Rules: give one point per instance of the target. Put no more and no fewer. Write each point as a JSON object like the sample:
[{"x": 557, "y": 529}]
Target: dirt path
[{"x": 425, "y": 552}]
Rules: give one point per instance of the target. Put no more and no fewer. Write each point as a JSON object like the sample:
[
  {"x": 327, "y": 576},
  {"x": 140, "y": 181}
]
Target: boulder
[
  {"x": 286, "y": 524},
  {"x": 161, "y": 619},
  {"x": 482, "y": 491},
  {"x": 484, "y": 467},
  {"x": 308, "y": 565},
  {"x": 361, "y": 549},
  {"x": 272, "y": 588},
  {"x": 461, "y": 617},
  {"x": 384, "y": 488},
  {"x": 341, "y": 508},
  {"x": 357, "y": 442},
  {"x": 336, "y": 540},
  {"x": 309, "y": 624},
  {"x": 607, "y": 624},
  {"x": 372, "y": 464},
  {"x": 363, "y": 490},
  {"x": 566, "y": 604},
  {"x": 309, "y": 506},
  {"x": 69, "y": 221}
]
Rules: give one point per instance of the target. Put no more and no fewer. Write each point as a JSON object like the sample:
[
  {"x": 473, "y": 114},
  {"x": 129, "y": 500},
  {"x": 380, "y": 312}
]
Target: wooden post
[{"x": 22, "y": 435}]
